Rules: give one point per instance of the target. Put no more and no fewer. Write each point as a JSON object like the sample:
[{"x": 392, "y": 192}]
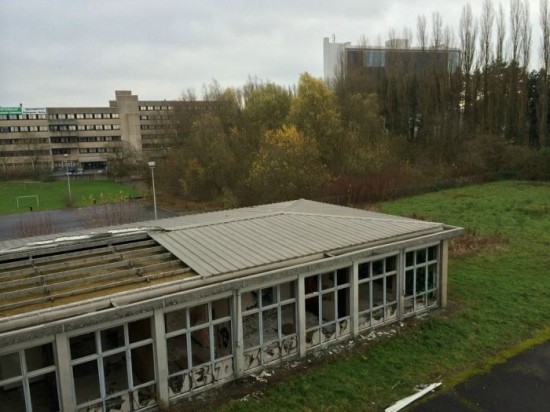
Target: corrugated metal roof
[{"x": 229, "y": 241}]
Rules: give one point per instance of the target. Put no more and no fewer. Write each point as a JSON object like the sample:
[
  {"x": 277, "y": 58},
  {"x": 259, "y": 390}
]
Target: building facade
[
  {"x": 137, "y": 317},
  {"x": 85, "y": 138},
  {"x": 395, "y": 58}
]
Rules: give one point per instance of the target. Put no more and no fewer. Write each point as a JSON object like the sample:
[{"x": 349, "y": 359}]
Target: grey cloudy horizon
[{"x": 78, "y": 52}]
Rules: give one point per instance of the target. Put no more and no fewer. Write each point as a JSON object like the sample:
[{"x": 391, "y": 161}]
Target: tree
[
  {"x": 286, "y": 167},
  {"x": 267, "y": 106},
  {"x": 208, "y": 162},
  {"x": 314, "y": 113}
]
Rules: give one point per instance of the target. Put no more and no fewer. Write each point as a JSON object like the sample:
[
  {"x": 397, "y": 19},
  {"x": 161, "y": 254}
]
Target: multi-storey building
[
  {"x": 395, "y": 58},
  {"x": 54, "y": 138}
]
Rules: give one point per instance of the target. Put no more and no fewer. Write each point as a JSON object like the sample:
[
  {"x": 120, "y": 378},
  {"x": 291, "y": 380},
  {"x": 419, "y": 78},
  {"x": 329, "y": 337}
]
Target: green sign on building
[{"x": 10, "y": 110}]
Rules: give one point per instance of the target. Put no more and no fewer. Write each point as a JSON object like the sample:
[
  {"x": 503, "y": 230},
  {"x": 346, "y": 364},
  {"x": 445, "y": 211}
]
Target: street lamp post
[
  {"x": 152, "y": 167},
  {"x": 68, "y": 179}
]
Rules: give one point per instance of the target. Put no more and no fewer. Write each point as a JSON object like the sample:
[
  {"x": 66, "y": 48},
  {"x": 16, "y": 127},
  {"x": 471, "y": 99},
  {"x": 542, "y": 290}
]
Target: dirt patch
[{"x": 472, "y": 243}]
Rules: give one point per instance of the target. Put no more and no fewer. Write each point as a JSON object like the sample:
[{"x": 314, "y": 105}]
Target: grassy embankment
[
  {"x": 503, "y": 298},
  {"x": 54, "y": 195}
]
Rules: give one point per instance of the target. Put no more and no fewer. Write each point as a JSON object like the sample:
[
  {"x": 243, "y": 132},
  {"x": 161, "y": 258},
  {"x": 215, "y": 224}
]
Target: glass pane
[
  {"x": 420, "y": 279},
  {"x": 311, "y": 284},
  {"x": 377, "y": 267},
  {"x": 432, "y": 253},
  {"x": 378, "y": 292},
  {"x": 221, "y": 309},
  {"x": 343, "y": 308},
  {"x": 82, "y": 345},
  {"x": 12, "y": 398},
  {"x": 432, "y": 269},
  {"x": 364, "y": 270},
  {"x": 328, "y": 281},
  {"x": 409, "y": 259},
  {"x": 139, "y": 330},
  {"x": 391, "y": 263},
  {"x": 270, "y": 325},
  {"x": 9, "y": 366},
  {"x": 86, "y": 381},
  {"x": 287, "y": 291},
  {"x": 251, "y": 337},
  {"x": 312, "y": 312},
  {"x": 409, "y": 282},
  {"x": 249, "y": 300},
  {"x": 200, "y": 346},
  {"x": 288, "y": 319},
  {"x": 364, "y": 297},
  {"x": 177, "y": 353},
  {"x": 39, "y": 357},
  {"x": 112, "y": 338},
  {"x": 175, "y": 320},
  {"x": 268, "y": 296},
  {"x": 391, "y": 289},
  {"x": 115, "y": 373},
  {"x": 198, "y": 315},
  {"x": 222, "y": 339},
  {"x": 328, "y": 307},
  {"x": 342, "y": 276},
  {"x": 420, "y": 256},
  {"x": 143, "y": 365}
]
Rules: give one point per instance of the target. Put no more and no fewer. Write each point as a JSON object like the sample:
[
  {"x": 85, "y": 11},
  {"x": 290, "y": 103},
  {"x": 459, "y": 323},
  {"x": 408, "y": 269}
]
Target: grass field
[
  {"x": 54, "y": 195},
  {"x": 501, "y": 298}
]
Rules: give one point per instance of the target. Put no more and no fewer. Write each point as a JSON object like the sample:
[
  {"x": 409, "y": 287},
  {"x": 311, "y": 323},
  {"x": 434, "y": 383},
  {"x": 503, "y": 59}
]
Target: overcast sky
[{"x": 59, "y": 53}]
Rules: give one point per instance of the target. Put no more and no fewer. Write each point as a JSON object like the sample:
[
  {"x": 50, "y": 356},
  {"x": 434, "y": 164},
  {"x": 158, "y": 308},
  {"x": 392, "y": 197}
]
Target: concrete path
[{"x": 521, "y": 384}]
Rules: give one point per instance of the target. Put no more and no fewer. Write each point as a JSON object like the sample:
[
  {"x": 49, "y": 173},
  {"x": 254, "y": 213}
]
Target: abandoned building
[{"x": 139, "y": 316}]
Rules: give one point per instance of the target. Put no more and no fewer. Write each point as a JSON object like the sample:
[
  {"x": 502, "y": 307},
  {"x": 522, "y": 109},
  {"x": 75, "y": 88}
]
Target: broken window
[
  {"x": 269, "y": 324},
  {"x": 113, "y": 368},
  {"x": 421, "y": 279},
  {"x": 28, "y": 379},
  {"x": 327, "y": 306},
  {"x": 377, "y": 291},
  {"x": 199, "y": 343}
]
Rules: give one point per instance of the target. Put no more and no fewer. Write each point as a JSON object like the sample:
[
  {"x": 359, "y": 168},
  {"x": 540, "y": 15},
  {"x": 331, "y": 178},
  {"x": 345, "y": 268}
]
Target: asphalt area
[{"x": 521, "y": 384}]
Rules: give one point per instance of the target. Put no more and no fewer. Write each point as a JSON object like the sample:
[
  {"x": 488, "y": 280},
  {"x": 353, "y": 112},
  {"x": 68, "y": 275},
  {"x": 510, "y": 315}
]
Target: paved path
[
  {"x": 69, "y": 219},
  {"x": 522, "y": 384}
]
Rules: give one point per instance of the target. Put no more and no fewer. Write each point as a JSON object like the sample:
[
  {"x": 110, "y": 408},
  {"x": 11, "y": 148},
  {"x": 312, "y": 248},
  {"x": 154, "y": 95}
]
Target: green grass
[
  {"x": 503, "y": 298},
  {"x": 53, "y": 195}
]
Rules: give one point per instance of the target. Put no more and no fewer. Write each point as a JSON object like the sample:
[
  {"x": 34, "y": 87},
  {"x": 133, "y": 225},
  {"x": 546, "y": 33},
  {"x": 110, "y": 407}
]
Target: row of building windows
[
  {"x": 15, "y": 129},
  {"x": 63, "y": 128},
  {"x": 155, "y": 117},
  {"x": 23, "y": 117},
  {"x": 18, "y": 153},
  {"x": 113, "y": 367},
  {"x": 98, "y": 150},
  {"x": 158, "y": 108},
  {"x": 63, "y": 116},
  {"x": 84, "y": 139},
  {"x": 40, "y": 140}
]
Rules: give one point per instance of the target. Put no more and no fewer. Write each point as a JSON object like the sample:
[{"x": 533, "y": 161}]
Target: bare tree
[
  {"x": 421, "y": 31},
  {"x": 526, "y": 35},
  {"x": 449, "y": 38},
  {"x": 515, "y": 29},
  {"x": 392, "y": 37},
  {"x": 485, "y": 33},
  {"x": 407, "y": 35},
  {"x": 501, "y": 34},
  {"x": 544, "y": 19},
  {"x": 468, "y": 34},
  {"x": 437, "y": 29}
]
